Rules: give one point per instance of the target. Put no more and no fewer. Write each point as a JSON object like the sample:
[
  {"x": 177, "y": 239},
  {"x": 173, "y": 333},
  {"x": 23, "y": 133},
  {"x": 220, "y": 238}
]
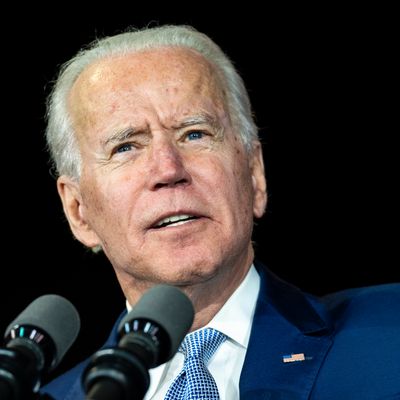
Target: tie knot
[{"x": 202, "y": 344}]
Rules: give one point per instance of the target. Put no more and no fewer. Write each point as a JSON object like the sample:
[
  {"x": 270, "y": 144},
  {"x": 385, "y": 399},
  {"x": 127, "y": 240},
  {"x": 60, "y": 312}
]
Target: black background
[{"x": 322, "y": 87}]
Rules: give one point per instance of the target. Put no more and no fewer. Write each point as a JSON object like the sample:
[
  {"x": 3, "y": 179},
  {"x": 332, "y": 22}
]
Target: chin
[{"x": 181, "y": 272}]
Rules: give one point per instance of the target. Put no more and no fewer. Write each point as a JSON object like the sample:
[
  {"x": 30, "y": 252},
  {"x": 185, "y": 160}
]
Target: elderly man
[{"x": 160, "y": 166}]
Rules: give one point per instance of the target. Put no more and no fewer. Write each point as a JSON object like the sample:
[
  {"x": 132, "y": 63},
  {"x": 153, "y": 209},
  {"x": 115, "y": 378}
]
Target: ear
[
  {"x": 258, "y": 180},
  {"x": 71, "y": 198}
]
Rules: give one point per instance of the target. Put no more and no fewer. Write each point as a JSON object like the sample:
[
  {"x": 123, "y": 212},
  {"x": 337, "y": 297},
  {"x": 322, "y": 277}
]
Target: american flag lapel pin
[{"x": 289, "y": 358}]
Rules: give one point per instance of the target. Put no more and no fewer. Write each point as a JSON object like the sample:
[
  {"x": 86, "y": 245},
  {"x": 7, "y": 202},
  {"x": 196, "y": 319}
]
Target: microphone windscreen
[
  {"x": 54, "y": 315},
  {"x": 168, "y": 307}
]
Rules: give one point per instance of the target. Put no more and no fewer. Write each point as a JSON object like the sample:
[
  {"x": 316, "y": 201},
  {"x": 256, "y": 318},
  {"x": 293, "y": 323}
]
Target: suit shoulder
[
  {"x": 373, "y": 304},
  {"x": 363, "y": 360}
]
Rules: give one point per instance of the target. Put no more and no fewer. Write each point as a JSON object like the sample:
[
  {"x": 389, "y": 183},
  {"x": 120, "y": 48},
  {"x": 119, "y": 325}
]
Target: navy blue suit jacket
[{"x": 350, "y": 341}]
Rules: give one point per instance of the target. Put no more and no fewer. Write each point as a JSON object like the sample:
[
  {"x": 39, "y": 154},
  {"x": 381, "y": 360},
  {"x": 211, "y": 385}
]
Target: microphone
[
  {"x": 35, "y": 343},
  {"x": 150, "y": 334}
]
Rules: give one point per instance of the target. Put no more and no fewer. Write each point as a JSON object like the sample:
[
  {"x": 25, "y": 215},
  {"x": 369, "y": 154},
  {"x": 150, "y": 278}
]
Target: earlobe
[
  {"x": 258, "y": 181},
  {"x": 71, "y": 198}
]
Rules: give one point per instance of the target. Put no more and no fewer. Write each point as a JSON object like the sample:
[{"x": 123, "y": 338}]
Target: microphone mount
[
  {"x": 35, "y": 343},
  {"x": 149, "y": 335},
  {"x": 124, "y": 368}
]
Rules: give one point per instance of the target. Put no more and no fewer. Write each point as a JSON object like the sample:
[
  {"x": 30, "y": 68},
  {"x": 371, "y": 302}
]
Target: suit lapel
[
  {"x": 285, "y": 324},
  {"x": 76, "y": 392}
]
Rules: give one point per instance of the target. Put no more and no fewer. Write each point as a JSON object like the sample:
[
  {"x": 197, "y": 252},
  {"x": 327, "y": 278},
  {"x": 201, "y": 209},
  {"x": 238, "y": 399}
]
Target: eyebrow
[
  {"x": 122, "y": 136},
  {"x": 199, "y": 119}
]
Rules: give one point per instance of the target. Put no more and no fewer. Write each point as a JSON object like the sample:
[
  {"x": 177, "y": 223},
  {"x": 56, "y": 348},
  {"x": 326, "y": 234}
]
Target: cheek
[
  {"x": 229, "y": 185},
  {"x": 103, "y": 202},
  {"x": 241, "y": 189},
  {"x": 92, "y": 200}
]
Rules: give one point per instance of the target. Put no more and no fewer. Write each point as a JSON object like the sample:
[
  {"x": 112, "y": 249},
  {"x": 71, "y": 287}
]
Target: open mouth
[{"x": 174, "y": 220}]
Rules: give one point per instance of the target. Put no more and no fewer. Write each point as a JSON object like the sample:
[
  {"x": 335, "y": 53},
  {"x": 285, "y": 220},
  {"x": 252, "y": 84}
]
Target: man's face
[{"x": 166, "y": 187}]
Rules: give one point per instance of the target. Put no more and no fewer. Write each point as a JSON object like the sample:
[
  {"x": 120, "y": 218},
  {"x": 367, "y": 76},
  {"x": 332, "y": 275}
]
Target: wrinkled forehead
[
  {"x": 160, "y": 69},
  {"x": 173, "y": 81}
]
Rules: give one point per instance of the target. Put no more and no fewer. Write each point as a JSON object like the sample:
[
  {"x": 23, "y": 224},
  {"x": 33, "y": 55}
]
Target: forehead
[
  {"x": 165, "y": 70},
  {"x": 169, "y": 82}
]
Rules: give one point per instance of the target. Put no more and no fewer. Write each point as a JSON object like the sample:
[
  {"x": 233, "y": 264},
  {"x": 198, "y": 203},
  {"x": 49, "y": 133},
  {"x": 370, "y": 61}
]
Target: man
[{"x": 160, "y": 166}]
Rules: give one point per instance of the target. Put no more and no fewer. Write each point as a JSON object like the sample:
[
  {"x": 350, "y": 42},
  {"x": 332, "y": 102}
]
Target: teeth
[{"x": 174, "y": 219}]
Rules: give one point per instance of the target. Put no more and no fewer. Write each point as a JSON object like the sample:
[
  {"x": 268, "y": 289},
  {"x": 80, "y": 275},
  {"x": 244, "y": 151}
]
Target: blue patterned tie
[{"x": 195, "y": 382}]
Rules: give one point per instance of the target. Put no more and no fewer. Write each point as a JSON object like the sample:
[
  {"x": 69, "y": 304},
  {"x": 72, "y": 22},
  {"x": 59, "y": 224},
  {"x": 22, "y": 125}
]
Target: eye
[
  {"x": 195, "y": 135},
  {"x": 123, "y": 148}
]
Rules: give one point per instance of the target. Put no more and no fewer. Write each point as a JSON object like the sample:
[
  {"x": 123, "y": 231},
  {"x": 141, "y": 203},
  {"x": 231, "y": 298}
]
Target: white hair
[{"x": 60, "y": 135}]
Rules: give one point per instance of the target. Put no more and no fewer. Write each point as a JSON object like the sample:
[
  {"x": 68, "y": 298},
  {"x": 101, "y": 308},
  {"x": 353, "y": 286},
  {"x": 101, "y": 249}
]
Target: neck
[{"x": 207, "y": 297}]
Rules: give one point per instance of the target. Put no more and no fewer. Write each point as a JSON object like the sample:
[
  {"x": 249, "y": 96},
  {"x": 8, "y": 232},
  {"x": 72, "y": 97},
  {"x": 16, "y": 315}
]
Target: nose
[{"x": 167, "y": 169}]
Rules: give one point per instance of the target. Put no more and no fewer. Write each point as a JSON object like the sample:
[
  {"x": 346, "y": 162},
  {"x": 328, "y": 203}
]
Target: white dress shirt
[{"x": 234, "y": 320}]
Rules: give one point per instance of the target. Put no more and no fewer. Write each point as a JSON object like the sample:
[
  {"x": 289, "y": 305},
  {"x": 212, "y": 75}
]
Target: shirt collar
[{"x": 235, "y": 318}]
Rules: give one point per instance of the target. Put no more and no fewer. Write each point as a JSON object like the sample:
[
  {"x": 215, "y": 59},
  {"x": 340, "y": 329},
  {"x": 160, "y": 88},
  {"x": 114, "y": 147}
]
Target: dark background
[{"x": 321, "y": 83}]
